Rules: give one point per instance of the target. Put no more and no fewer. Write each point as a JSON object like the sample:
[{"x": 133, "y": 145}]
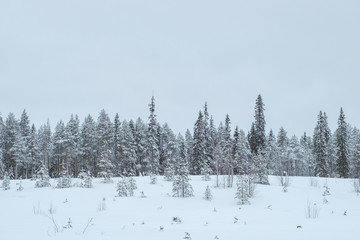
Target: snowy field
[{"x": 97, "y": 213}]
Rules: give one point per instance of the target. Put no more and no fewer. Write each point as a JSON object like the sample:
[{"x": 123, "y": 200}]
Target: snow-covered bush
[
  {"x": 121, "y": 187},
  {"x": 153, "y": 178},
  {"x": 64, "y": 181},
  {"x": 207, "y": 194},
  {"x": 86, "y": 179},
  {"x": 126, "y": 186},
  {"x": 131, "y": 186},
  {"x": 20, "y": 188},
  {"x": 6, "y": 182},
  {"x": 42, "y": 178}
]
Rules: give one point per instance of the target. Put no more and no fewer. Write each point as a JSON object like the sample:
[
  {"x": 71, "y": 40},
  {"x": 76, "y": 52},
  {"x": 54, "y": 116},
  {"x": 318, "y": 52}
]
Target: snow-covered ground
[{"x": 272, "y": 214}]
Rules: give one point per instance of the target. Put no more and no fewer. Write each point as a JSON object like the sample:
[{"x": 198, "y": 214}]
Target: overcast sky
[{"x": 81, "y": 56}]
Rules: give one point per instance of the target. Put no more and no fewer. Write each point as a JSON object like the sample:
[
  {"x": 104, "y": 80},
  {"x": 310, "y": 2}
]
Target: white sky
[{"x": 79, "y": 56}]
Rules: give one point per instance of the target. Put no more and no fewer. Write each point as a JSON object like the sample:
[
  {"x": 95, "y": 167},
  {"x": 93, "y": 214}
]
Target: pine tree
[
  {"x": 273, "y": 155},
  {"x": 45, "y": 145},
  {"x": 104, "y": 135},
  {"x": 198, "y": 151},
  {"x": 88, "y": 142},
  {"x": 140, "y": 146},
  {"x": 152, "y": 147},
  {"x": 259, "y": 140},
  {"x": 242, "y": 192},
  {"x": 72, "y": 135},
  {"x": 242, "y": 154},
  {"x": 320, "y": 140},
  {"x": 117, "y": 145},
  {"x": 105, "y": 166},
  {"x": 306, "y": 145},
  {"x": 127, "y": 150},
  {"x": 342, "y": 164},
  {"x": 260, "y": 170},
  {"x": 228, "y": 156},
  {"x": 181, "y": 185},
  {"x": 11, "y": 130}
]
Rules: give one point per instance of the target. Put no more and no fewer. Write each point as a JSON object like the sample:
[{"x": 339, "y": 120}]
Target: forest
[{"x": 102, "y": 147}]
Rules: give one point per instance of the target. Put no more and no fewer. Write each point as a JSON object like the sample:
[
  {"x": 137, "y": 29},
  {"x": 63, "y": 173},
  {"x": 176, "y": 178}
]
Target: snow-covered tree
[
  {"x": 243, "y": 190},
  {"x": 140, "y": 147},
  {"x": 181, "y": 185},
  {"x": 207, "y": 194},
  {"x": 6, "y": 182},
  {"x": 198, "y": 151},
  {"x": 105, "y": 166},
  {"x": 258, "y": 136},
  {"x": 242, "y": 154},
  {"x": 86, "y": 179},
  {"x": 88, "y": 145},
  {"x": 126, "y": 186},
  {"x": 122, "y": 187},
  {"x": 342, "y": 162},
  {"x": 42, "y": 177},
  {"x": 272, "y": 155},
  {"x": 320, "y": 141},
  {"x": 152, "y": 146},
  {"x": 64, "y": 181},
  {"x": 260, "y": 170}
]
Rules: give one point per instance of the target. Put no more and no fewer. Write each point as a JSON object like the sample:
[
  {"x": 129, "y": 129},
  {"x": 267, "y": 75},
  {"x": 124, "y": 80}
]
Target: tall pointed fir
[
  {"x": 342, "y": 162},
  {"x": 73, "y": 147},
  {"x": 117, "y": 145},
  {"x": 320, "y": 142},
  {"x": 198, "y": 158},
  {"x": 260, "y": 137},
  {"x": 104, "y": 133},
  {"x": 228, "y": 147},
  {"x": 88, "y": 145},
  {"x": 128, "y": 154},
  {"x": 140, "y": 146},
  {"x": 153, "y": 153}
]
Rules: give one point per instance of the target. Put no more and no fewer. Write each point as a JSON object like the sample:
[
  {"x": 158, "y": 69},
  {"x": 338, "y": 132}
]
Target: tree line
[{"x": 136, "y": 148}]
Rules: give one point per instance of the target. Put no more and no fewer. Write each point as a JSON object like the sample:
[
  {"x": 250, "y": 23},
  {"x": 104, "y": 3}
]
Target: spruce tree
[
  {"x": 199, "y": 149},
  {"x": 320, "y": 140},
  {"x": 342, "y": 162},
  {"x": 181, "y": 185},
  {"x": 42, "y": 177},
  {"x": 105, "y": 166},
  {"x": 242, "y": 192},
  {"x": 259, "y": 125},
  {"x": 153, "y": 153}
]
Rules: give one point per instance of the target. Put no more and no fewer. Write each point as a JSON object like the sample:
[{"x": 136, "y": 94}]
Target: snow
[{"x": 272, "y": 214}]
